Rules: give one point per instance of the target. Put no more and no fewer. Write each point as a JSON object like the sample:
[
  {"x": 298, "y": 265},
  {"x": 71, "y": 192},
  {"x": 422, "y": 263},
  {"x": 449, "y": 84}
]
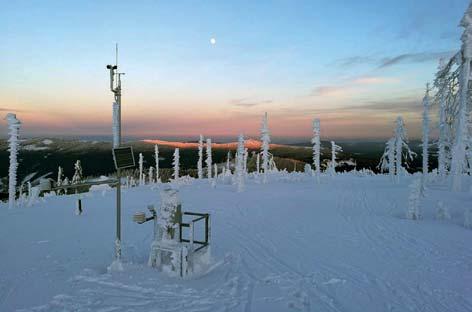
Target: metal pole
[
  {"x": 118, "y": 174},
  {"x": 115, "y": 78}
]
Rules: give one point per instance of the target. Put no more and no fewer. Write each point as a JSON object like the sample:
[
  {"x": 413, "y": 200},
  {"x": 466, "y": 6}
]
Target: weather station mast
[{"x": 115, "y": 87}]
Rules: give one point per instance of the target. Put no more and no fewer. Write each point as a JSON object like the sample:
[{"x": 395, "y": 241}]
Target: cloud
[
  {"x": 354, "y": 61},
  {"x": 384, "y": 62},
  {"x": 344, "y": 88},
  {"x": 328, "y": 90},
  {"x": 6, "y": 109},
  {"x": 407, "y": 104},
  {"x": 413, "y": 58},
  {"x": 247, "y": 102}
]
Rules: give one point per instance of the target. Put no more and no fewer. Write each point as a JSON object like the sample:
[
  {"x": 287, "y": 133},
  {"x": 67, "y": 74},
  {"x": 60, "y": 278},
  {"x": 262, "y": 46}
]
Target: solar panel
[{"x": 123, "y": 157}]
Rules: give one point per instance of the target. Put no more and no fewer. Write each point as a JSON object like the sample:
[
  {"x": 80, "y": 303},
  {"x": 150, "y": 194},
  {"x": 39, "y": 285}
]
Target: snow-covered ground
[{"x": 288, "y": 245}]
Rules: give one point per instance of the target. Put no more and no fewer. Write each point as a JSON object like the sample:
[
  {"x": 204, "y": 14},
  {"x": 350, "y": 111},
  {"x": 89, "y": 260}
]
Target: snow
[
  {"x": 47, "y": 142},
  {"x": 34, "y": 147},
  {"x": 289, "y": 245}
]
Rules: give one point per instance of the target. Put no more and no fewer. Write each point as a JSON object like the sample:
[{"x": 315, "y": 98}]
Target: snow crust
[{"x": 343, "y": 244}]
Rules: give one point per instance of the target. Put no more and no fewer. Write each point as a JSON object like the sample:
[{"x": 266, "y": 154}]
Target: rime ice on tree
[
  {"x": 176, "y": 163},
  {"x": 459, "y": 161},
  {"x": 151, "y": 175},
  {"x": 316, "y": 146},
  {"x": 401, "y": 143},
  {"x": 258, "y": 163},
  {"x": 60, "y": 175},
  {"x": 156, "y": 156},
  {"x": 265, "y": 138},
  {"x": 240, "y": 163},
  {"x": 387, "y": 162},
  {"x": 443, "y": 140},
  {"x": 228, "y": 157},
  {"x": 77, "y": 178},
  {"x": 13, "y": 144},
  {"x": 425, "y": 141},
  {"x": 335, "y": 149},
  {"x": 141, "y": 173},
  {"x": 200, "y": 157},
  {"x": 208, "y": 159}
]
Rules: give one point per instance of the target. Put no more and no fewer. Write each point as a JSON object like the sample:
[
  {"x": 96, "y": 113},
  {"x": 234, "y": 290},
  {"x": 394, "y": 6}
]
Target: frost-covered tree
[
  {"x": 246, "y": 153},
  {"x": 258, "y": 163},
  {"x": 413, "y": 212},
  {"x": 13, "y": 146},
  {"x": 200, "y": 157},
  {"x": 151, "y": 174},
  {"x": 459, "y": 159},
  {"x": 335, "y": 149},
  {"x": 443, "y": 140},
  {"x": 77, "y": 178},
  {"x": 316, "y": 146},
  {"x": 228, "y": 158},
  {"x": 240, "y": 163},
  {"x": 208, "y": 158},
  {"x": 141, "y": 168},
  {"x": 176, "y": 163},
  {"x": 156, "y": 156},
  {"x": 401, "y": 144},
  {"x": 265, "y": 138},
  {"x": 387, "y": 162},
  {"x": 60, "y": 176},
  {"x": 425, "y": 140}
]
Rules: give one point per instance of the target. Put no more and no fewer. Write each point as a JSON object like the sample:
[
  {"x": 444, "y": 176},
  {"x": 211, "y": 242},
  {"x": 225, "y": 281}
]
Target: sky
[{"x": 355, "y": 65}]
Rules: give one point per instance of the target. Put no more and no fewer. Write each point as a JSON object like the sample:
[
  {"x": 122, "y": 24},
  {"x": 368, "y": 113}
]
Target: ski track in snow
[{"x": 341, "y": 245}]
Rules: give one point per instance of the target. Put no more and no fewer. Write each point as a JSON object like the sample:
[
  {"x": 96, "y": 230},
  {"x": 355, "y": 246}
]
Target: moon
[{"x": 213, "y": 41}]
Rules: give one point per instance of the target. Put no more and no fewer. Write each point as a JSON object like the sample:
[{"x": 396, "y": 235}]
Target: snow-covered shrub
[
  {"x": 442, "y": 212},
  {"x": 176, "y": 163},
  {"x": 200, "y": 157},
  {"x": 77, "y": 178},
  {"x": 13, "y": 146},
  {"x": 413, "y": 212},
  {"x": 265, "y": 138},
  {"x": 208, "y": 159},
  {"x": 308, "y": 170}
]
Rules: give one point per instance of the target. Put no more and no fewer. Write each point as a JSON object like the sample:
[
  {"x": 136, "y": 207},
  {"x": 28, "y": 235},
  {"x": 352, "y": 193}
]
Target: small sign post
[{"x": 123, "y": 157}]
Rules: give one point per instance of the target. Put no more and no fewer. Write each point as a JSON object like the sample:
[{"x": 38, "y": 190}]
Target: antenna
[{"x": 116, "y": 54}]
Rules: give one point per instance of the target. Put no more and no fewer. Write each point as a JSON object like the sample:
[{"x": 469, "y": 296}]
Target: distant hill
[
  {"x": 44, "y": 155},
  {"x": 249, "y": 143}
]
